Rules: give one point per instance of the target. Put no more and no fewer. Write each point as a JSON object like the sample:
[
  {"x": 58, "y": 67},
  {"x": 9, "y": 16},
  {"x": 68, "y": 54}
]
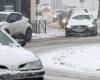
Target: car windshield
[
  {"x": 81, "y": 17},
  {"x": 4, "y": 39},
  {"x": 3, "y": 17}
]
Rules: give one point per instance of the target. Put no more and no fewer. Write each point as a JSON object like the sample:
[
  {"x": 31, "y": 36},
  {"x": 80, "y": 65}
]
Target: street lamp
[
  {"x": 37, "y": 2},
  {"x": 82, "y": 1}
]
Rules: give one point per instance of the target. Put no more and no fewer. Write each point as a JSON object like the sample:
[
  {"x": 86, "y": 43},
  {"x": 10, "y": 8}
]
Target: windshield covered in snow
[
  {"x": 3, "y": 17},
  {"x": 82, "y": 17},
  {"x": 4, "y": 39}
]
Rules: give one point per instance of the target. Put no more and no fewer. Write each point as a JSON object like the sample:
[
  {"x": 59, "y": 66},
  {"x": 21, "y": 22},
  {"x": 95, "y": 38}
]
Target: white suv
[
  {"x": 81, "y": 24},
  {"x": 15, "y": 23}
]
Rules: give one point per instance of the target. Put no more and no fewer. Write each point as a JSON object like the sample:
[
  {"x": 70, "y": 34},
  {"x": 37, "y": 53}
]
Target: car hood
[
  {"x": 2, "y": 23},
  {"x": 80, "y": 22},
  {"x": 14, "y": 56}
]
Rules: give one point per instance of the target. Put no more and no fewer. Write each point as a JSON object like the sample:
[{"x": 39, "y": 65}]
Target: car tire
[
  {"x": 28, "y": 34},
  {"x": 66, "y": 32},
  {"x": 7, "y": 31},
  {"x": 40, "y": 78},
  {"x": 94, "y": 33}
]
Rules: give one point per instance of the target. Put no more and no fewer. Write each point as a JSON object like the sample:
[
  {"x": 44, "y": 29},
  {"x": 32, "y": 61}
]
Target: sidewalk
[{"x": 53, "y": 30}]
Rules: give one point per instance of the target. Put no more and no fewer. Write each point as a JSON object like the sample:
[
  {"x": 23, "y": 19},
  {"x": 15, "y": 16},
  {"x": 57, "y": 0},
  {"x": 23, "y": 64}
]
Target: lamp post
[
  {"x": 37, "y": 2},
  {"x": 99, "y": 10},
  {"x": 82, "y": 2}
]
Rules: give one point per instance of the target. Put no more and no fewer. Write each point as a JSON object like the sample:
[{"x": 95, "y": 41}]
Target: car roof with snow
[
  {"x": 8, "y": 12},
  {"x": 80, "y": 13}
]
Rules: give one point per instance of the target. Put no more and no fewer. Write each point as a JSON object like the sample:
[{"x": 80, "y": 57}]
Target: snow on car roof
[
  {"x": 80, "y": 13},
  {"x": 8, "y": 12}
]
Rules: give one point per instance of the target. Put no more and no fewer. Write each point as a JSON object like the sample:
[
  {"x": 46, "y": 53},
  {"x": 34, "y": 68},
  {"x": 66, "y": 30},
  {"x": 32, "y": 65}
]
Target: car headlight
[
  {"x": 91, "y": 25},
  {"x": 68, "y": 26},
  {"x": 64, "y": 20},
  {"x": 54, "y": 16},
  {"x": 35, "y": 65}
]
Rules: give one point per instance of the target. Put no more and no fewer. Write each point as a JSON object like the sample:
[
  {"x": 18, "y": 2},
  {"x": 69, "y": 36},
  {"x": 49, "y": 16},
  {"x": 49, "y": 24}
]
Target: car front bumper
[
  {"x": 86, "y": 32},
  {"x": 18, "y": 75}
]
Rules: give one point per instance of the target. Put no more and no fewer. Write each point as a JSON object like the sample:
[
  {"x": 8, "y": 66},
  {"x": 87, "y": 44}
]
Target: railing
[{"x": 41, "y": 26}]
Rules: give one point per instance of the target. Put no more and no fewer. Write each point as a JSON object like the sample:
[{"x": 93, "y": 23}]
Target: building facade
[
  {"x": 26, "y": 7},
  {"x": 91, "y": 5},
  {"x": 56, "y": 4}
]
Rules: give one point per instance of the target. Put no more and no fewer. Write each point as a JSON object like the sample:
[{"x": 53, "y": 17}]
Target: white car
[
  {"x": 17, "y": 63},
  {"x": 81, "y": 24},
  {"x": 15, "y": 23}
]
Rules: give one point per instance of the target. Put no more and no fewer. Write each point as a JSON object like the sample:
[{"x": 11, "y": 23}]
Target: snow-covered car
[
  {"x": 15, "y": 23},
  {"x": 17, "y": 63},
  {"x": 81, "y": 24}
]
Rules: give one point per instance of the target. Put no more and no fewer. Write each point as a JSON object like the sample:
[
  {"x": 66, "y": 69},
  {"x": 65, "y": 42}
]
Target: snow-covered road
[
  {"x": 77, "y": 62},
  {"x": 70, "y": 60}
]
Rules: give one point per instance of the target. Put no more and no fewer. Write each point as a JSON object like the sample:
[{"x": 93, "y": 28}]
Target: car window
[
  {"x": 4, "y": 39},
  {"x": 11, "y": 18},
  {"x": 81, "y": 17},
  {"x": 18, "y": 17},
  {"x": 3, "y": 17}
]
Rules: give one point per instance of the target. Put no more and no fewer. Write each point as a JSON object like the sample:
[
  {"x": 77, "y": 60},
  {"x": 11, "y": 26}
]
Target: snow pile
[{"x": 86, "y": 58}]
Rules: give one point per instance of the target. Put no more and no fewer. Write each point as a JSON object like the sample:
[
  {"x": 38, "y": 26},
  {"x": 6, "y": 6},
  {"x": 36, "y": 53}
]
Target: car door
[
  {"x": 14, "y": 23},
  {"x": 19, "y": 22},
  {"x": 11, "y": 19}
]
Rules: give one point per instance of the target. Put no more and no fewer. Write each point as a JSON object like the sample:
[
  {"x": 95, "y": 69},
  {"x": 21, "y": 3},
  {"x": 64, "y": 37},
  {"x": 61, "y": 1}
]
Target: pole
[
  {"x": 36, "y": 20},
  {"x": 99, "y": 10}
]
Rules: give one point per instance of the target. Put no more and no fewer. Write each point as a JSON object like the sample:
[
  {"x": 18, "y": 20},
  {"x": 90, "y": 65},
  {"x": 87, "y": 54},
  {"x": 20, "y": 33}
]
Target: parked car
[
  {"x": 81, "y": 24},
  {"x": 17, "y": 63},
  {"x": 15, "y": 23}
]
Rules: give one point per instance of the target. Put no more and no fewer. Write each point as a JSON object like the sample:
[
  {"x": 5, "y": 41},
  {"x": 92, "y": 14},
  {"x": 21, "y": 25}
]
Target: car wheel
[
  {"x": 28, "y": 34},
  {"x": 66, "y": 32},
  {"x": 7, "y": 31},
  {"x": 40, "y": 78},
  {"x": 94, "y": 33}
]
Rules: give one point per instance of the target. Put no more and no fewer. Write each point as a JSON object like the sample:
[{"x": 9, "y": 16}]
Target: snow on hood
[
  {"x": 79, "y": 22},
  {"x": 15, "y": 56},
  {"x": 2, "y": 23}
]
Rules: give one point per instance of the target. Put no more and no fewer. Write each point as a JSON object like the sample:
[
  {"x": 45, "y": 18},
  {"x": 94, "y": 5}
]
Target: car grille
[{"x": 79, "y": 28}]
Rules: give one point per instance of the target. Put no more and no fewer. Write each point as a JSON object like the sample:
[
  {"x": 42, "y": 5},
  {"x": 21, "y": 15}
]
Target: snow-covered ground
[
  {"x": 53, "y": 30},
  {"x": 77, "y": 58},
  {"x": 85, "y": 58}
]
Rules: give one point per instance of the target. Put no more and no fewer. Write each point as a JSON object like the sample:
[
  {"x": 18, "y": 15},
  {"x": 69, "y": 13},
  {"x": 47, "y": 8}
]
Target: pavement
[{"x": 52, "y": 30}]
